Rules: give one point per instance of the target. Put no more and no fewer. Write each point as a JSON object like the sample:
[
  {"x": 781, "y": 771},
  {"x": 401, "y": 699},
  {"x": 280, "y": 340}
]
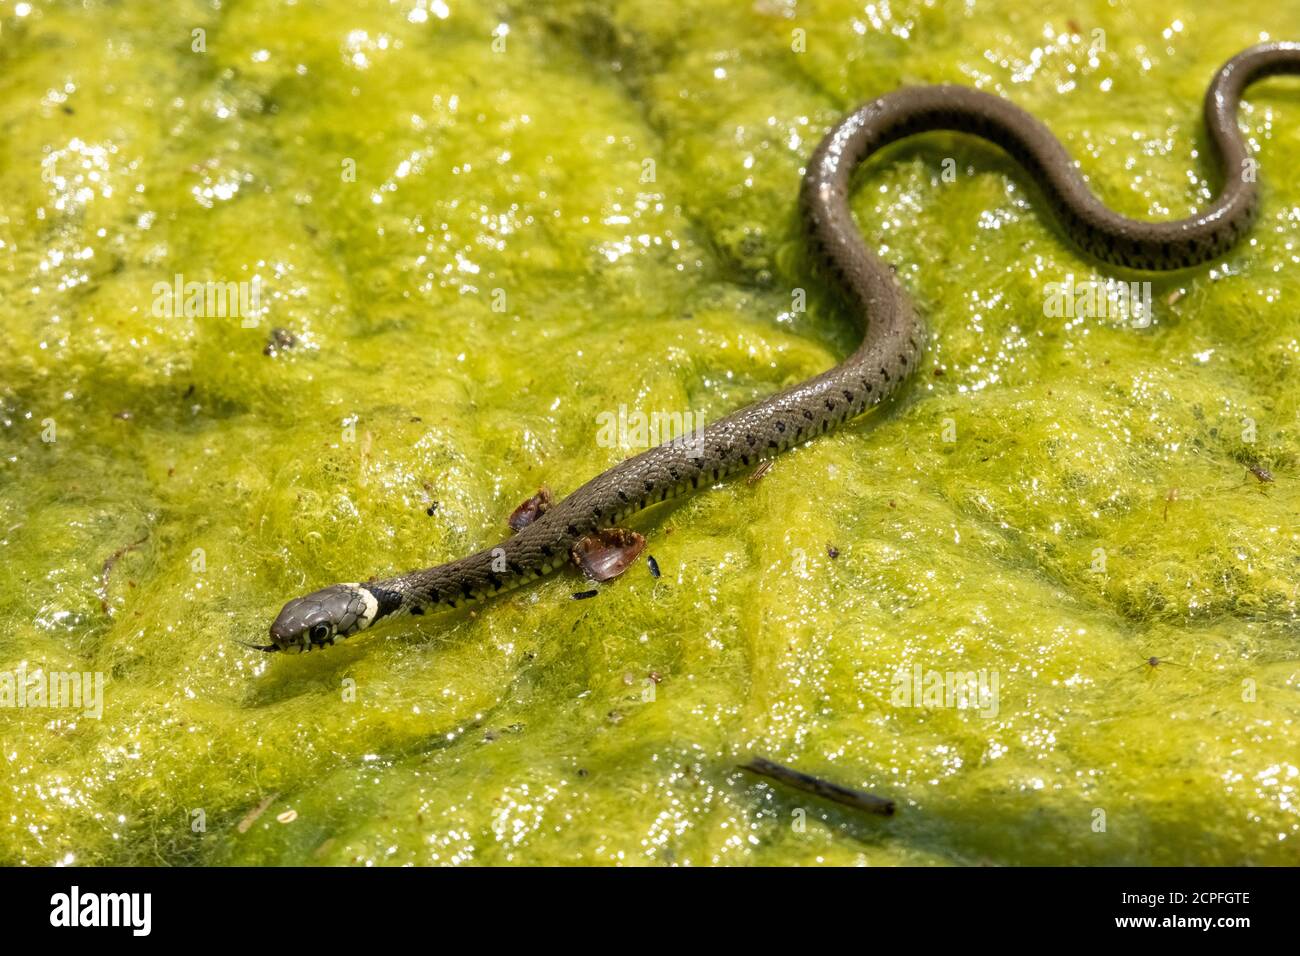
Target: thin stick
[
  {"x": 251, "y": 817},
  {"x": 857, "y": 799},
  {"x": 107, "y": 570}
]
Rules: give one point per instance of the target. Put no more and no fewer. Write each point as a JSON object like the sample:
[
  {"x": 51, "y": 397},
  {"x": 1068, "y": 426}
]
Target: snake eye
[{"x": 320, "y": 632}]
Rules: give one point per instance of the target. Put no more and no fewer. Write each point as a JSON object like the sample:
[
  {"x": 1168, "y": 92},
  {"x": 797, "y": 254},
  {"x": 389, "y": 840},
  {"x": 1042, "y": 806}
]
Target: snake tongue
[{"x": 269, "y": 648}]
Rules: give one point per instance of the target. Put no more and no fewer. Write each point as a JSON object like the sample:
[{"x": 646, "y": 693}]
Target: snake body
[{"x": 890, "y": 350}]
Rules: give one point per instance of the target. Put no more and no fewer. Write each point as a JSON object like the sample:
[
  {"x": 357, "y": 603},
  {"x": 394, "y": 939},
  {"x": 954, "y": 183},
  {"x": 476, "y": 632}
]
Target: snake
[{"x": 891, "y": 348}]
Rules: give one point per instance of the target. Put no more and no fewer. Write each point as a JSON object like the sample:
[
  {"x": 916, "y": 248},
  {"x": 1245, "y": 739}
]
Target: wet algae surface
[{"x": 465, "y": 231}]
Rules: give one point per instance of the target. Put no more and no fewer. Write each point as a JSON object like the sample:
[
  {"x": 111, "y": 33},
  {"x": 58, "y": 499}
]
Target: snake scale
[{"x": 890, "y": 349}]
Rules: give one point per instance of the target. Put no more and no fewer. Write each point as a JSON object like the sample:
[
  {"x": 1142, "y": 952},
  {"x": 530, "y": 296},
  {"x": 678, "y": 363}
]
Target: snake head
[{"x": 322, "y": 617}]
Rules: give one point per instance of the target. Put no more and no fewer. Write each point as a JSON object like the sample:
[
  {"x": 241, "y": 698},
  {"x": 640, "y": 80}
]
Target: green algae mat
[{"x": 296, "y": 293}]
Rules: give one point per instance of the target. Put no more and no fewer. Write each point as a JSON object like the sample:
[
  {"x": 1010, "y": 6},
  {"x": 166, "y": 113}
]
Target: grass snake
[{"x": 889, "y": 353}]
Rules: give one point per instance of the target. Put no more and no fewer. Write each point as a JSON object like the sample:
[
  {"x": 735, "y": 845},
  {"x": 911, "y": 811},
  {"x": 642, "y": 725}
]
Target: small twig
[
  {"x": 107, "y": 570},
  {"x": 757, "y": 474},
  {"x": 857, "y": 799},
  {"x": 251, "y": 817}
]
